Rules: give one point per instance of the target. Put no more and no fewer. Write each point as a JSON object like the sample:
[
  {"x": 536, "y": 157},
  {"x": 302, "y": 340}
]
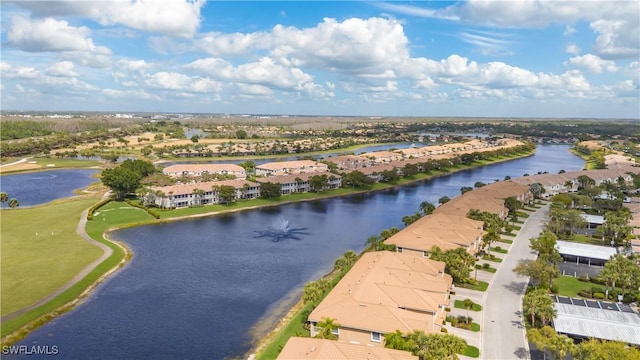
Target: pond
[
  {"x": 207, "y": 288},
  {"x": 35, "y": 188}
]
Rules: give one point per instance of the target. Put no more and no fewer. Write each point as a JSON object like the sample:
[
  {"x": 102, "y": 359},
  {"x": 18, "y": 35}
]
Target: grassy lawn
[
  {"x": 471, "y": 351},
  {"x": 41, "y": 251},
  {"x": 492, "y": 258},
  {"x": 111, "y": 215},
  {"x": 458, "y": 304},
  {"x": 488, "y": 269},
  {"x": 522, "y": 214},
  {"x": 499, "y": 249},
  {"x": 506, "y": 241},
  {"x": 570, "y": 286},
  {"x": 586, "y": 239},
  {"x": 516, "y": 227},
  {"x": 475, "y": 327},
  {"x": 293, "y": 328},
  {"x": 478, "y": 286}
]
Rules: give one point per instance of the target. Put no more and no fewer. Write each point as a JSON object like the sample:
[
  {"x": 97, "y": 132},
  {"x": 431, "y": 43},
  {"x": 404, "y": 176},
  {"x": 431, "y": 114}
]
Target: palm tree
[
  {"x": 13, "y": 203},
  {"x": 468, "y": 305},
  {"x": 326, "y": 327},
  {"x": 4, "y": 197},
  {"x": 427, "y": 207}
]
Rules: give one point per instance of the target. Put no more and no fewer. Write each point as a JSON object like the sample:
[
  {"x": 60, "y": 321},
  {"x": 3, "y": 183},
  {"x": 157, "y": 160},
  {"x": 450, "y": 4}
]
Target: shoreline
[{"x": 23, "y": 331}]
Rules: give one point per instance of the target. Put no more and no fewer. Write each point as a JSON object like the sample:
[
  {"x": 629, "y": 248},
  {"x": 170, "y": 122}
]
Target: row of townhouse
[
  {"x": 383, "y": 292},
  {"x": 201, "y": 193},
  {"x": 206, "y": 193},
  {"x": 290, "y": 167},
  {"x": 290, "y": 184},
  {"x": 201, "y": 169},
  {"x": 555, "y": 184}
]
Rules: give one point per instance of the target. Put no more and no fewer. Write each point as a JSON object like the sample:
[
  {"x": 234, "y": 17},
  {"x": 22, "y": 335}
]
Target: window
[
  {"x": 336, "y": 331},
  {"x": 399, "y": 249},
  {"x": 376, "y": 336},
  {"x": 425, "y": 254}
]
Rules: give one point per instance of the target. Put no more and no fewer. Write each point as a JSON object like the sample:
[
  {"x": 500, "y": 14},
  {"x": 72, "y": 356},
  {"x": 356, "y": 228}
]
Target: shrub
[
  {"x": 447, "y": 309},
  {"x": 598, "y": 295},
  {"x": 97, "y": 206},
  {"x": 584, "y": 293},
  {"x": 452, "y": 292},
  {"x": 554, "y": 288},
  {"x": 498, "y": 248},
  {"x": 444, "y": 330},
  {"x": 598, "y": 280},
  {"x": 486, "y": 266},
  {"x": 583, "y": 277}
]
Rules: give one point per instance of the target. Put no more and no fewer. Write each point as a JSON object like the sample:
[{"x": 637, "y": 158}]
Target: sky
[{"x": 519, "y": 58}]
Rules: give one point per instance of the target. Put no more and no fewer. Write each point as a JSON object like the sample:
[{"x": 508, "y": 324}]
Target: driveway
[{"x": 503, "y": 331}]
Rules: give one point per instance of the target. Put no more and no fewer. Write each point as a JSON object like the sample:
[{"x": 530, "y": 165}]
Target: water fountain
[{"x": 281, "y": 229}]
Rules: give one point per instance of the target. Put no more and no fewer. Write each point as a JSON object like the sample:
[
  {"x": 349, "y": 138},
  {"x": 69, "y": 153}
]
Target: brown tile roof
[
  {"x": 211, "y": 168},
  {"x": 296, "y": 164},
  {"x": 387, "y": 291},
  {"x": 288, "y": 179},
  {"x": 447, "y": 231},
  {"x": 298, "y": 348}
]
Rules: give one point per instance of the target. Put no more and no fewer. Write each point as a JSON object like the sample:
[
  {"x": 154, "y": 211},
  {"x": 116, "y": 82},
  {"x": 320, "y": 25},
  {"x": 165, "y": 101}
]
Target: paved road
[
  {"x": 106, "y": 252},
  {"x": 503, "y": 332}
]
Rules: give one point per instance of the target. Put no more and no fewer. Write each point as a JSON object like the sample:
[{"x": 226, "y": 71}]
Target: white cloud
[
  {"x": 180, "y": 18},
  {"x": 490, "y": 43},
  {"x": 62, "y": 69},
  {"x": 617, "y": 38},
  {"x": 569, "y": 30},
  {"x": 18, "y": 72},
  {"x": 593, "y": 63},
  {"x": 572, "y": 49},
  {"x": 128, "y": 94},
  {"x": 50, "y": 35},
  {"x": 175, "y": 81}
]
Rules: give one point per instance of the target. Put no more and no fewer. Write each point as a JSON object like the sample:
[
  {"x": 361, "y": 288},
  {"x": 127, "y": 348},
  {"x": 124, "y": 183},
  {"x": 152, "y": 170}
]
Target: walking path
[
  {"x": 106, "y": 252},
  {"x": 15, "y": 162},
  {"x": 503, "y": 330}
]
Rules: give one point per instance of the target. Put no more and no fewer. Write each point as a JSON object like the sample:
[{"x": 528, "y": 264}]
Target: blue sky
[{"x": 480, "y": 58}]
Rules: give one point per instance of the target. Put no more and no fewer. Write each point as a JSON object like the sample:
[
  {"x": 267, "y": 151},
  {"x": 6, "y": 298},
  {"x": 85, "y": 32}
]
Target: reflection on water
[{"x": 198, "y": 289}]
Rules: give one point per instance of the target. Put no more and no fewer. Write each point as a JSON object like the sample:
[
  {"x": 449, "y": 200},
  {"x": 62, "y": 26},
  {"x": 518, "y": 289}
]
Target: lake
[
  {"x": 207, "y": 288},
  {"x": 35, "y": 188}
]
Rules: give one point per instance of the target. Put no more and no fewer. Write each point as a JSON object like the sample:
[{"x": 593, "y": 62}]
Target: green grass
[
  {"x": 570, "y": 286},
  {"x": 111, "y": 215},
  {"x": 458, "y": 304},
  {"x": 293, "y": 328},
  {"x": 478, "y": 286},
  {"x": 492, "y": 258},
  {"x": 41, "y": 251},
  {"x": 66, "y": 163},
  {"x": 516, "y": 227},
  {"x": 471, "y": 351},
  {"x": 489, "y": 269},
  {"x": 506, "y": 241},
  {"x": 475, "y": 327},
  {"x": 586, "y": 239},
  {"x": 522, "y": 214},
  {"x": 499, "y": 250}
]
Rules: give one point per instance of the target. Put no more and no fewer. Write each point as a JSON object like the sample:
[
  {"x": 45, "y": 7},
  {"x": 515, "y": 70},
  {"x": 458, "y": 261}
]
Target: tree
[
  {"x": 539, "y": 271},
  {"x": 409, "y": 170},
  {"x": 467, "y": 304},
  {"x": 513, "y": 204},
  {"x": 410, "y": 219},
  {"x": 227, "y": 194},
  {"x": 357, "y": 179},
  {"x": 443, "y": 200},
  {"x": 312, "y": 293},
  {"x": 465, "y": 189},
  {"x": 241, "y": 134},
  {"x": 459, "y": 264},
  {"x": 427, "y": 208},
  {"x": 595, "y": 349},
  {"x": 326, "y": 327},
  {"x": 585, "y": 181},
  {"x": 13, "y": 203},
  {"x": 390, "y": 175},
  {"x": 318, "y": 182},
  {"x": 249, "y": 166},
  {"x": 538, "y": 304},
  {"x": 195, "y": 138},
  {"x": 478, "y": 184},
  {"x": 270, "y": 190},
  {"x": 435, "y": 346},
  {"x": 545, "y": 246},
  {"x": 396, "y": 340},
  {"x": 537, "y": 190},
  {"x": 489, "y": 238},
  {"x": 621, "y": 271},
  {"x": 4, "y": 197},
  {"x": 121, "y": 180}
]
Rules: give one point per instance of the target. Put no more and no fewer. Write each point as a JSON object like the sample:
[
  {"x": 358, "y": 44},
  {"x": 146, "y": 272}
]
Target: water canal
[{"x": 197, "y": 288}]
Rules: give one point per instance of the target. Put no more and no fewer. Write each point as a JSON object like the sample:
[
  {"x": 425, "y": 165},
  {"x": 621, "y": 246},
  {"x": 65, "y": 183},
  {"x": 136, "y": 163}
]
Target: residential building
[
  {"x": 301, "y": 182},
  {"x": 201, "y": 169},
  {"x": 300, "y": 348},
  {"x": 196, "y": 194},
  {"x": 384, "y": 292},
  {"x": 446, "y": 231},
  {"x": 290, "y": 167}
]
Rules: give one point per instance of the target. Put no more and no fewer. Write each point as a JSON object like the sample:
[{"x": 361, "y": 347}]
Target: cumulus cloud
[
  {"x": 180, "y": 82},
  {"x": 50, "y": 35},
  {"x": 593, "y": 63},
  {"x": 572, "y": 49},
  {"x": 180, "y": 18},
  {"x": 62, "y": 69},
  {"x": 18, "y": 72},
  {"x": 128, "y": 94}
]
